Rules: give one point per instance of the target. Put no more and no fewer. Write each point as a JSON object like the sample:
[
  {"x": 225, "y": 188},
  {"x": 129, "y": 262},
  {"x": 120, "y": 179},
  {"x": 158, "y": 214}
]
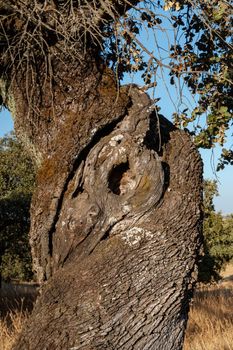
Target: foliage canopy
[{"x": 197, "y": 53}]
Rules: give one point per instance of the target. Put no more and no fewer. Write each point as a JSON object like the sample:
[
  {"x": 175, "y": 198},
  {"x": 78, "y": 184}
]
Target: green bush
[
  {"x": 218, "y": 237},
  {"x": 16, "y": 186},
  {"x": 15, "y": 266}
]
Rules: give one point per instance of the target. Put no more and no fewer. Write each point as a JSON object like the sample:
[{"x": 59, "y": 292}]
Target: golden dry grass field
[
  {"x": 210, "y": 325},
  {"x": 16, "y": 302}
]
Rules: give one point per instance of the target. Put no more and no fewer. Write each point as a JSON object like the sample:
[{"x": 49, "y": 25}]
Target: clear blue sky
[{"x": 223, "y": 203}]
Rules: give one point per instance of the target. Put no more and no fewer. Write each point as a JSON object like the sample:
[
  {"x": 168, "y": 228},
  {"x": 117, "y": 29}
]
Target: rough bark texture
[{"x": 115, "y": 216}]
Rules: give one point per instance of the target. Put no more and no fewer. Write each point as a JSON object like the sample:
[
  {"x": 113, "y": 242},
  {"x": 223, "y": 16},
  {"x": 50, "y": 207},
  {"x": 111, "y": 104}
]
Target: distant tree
[
  {"x": 218, "y": 237},
  {"x": 228, "y": 239},
  {"x": 16, "y": 186}
]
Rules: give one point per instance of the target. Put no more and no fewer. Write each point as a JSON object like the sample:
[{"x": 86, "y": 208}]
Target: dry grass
[
  {"x": 10, "y": 327},
  {"x": 16, "y": 302},
  {"x": 227, "y": 274},
  {"x": 210, "y": 325}
]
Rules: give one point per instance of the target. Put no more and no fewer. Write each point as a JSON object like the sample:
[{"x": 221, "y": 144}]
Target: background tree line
[
  {"x": 17, "y": 175},
  {"x": 17, "y": 180},
  {"x": 218, "y": 237}
]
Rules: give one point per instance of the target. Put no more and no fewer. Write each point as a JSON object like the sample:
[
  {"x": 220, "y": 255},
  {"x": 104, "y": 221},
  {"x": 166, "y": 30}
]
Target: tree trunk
[{"x": 115, "y": 216}]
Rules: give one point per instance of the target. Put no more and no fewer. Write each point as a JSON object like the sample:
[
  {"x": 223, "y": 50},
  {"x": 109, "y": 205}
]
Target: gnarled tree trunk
[
  {"x": 116, "y": 218},
  {"x": 115, "y": 215}
]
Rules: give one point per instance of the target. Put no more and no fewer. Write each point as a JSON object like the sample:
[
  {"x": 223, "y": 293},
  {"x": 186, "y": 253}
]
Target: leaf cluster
[
  {"x": 200, "y": 57},
  {"x": 205, "y": 56}
]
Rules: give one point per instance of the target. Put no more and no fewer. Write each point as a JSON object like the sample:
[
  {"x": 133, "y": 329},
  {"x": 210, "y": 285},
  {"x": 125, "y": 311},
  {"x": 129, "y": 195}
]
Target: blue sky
[{"x": 223, "y": 203}]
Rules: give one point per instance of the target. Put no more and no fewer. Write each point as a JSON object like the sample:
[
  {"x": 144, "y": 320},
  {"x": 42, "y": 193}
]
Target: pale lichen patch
[{"x": 134, "y": 235}]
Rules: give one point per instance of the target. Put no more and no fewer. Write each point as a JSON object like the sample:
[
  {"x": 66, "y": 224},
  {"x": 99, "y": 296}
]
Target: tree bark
[{"x": 116, "y": 216}]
